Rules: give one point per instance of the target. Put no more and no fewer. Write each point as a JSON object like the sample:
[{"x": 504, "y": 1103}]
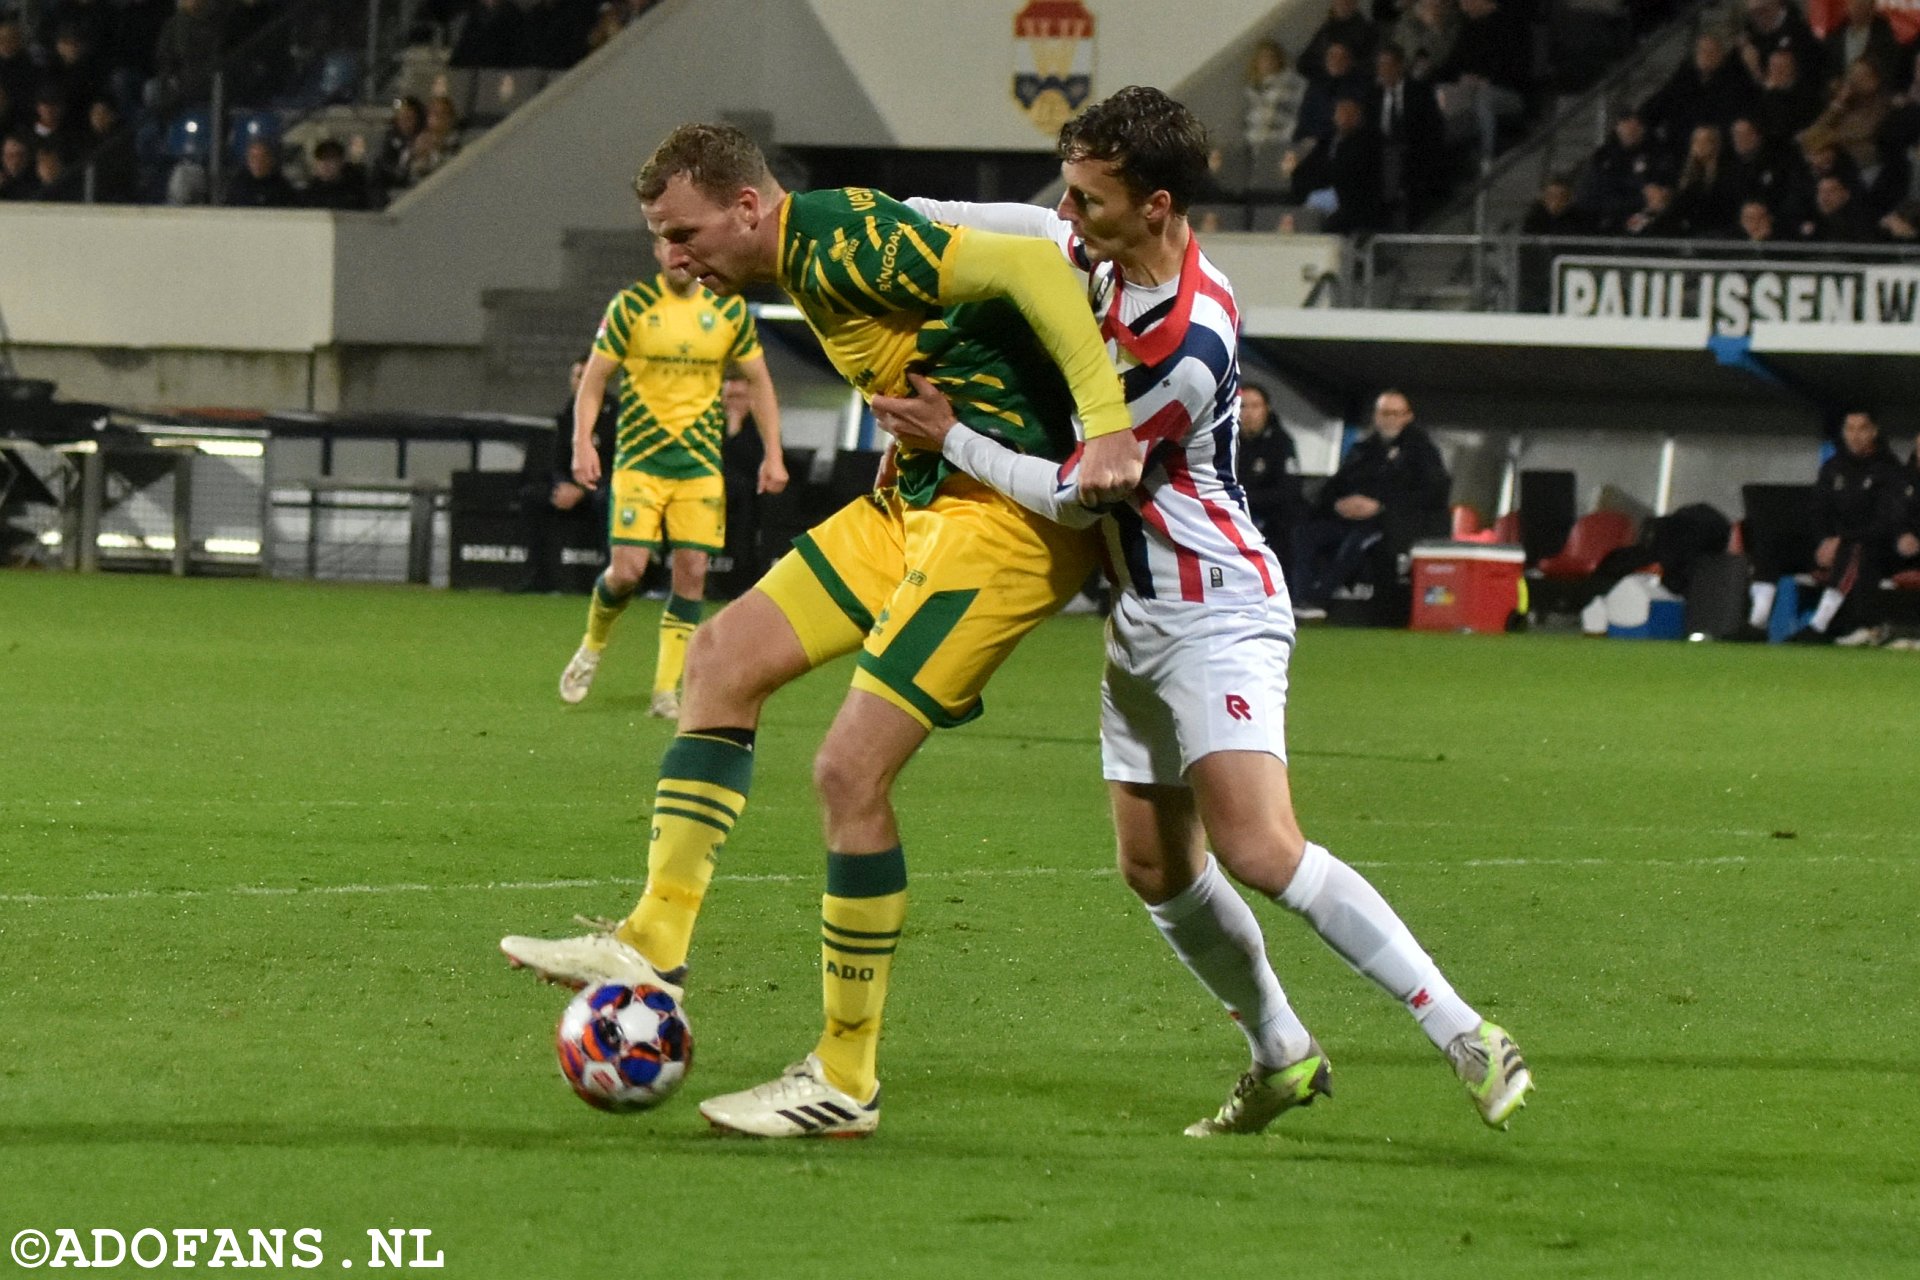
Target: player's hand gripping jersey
[
  {"x": 1185, "y": 533},
  {"x": 989, "y": 318}
]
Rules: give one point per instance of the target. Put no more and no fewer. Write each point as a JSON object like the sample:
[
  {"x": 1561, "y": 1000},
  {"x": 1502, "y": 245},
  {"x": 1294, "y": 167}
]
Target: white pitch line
[
  {"x": 1321, "y": 819},
  {"x": 992, "y": 873}
]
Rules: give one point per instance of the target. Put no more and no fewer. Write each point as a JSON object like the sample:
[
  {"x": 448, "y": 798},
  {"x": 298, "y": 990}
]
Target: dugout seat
[{"x": 1593, "y": 536}]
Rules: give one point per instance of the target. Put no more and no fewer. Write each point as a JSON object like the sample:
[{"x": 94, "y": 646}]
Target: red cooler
[{"x": 1465, "y": 586}]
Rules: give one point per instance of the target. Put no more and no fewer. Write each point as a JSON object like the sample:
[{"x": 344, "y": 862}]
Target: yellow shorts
[
  {"x": 690, "y": 513},
  {"x": 935, "y": 597}
]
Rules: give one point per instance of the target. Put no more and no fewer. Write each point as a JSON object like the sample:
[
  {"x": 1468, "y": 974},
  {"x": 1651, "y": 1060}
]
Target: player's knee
[
  {"x": 1152, "y": 878},
  {"x": 845, "y": 780}
]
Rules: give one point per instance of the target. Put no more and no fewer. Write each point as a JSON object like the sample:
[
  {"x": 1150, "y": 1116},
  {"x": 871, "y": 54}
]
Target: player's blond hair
[{"x": 717, "y": 159}]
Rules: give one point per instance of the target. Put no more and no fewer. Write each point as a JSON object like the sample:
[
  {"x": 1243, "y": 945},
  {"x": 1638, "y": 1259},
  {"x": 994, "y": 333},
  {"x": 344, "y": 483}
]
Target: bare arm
[
  {"x": 766, "y": 420},
  {"x": 587, "y": 403}
]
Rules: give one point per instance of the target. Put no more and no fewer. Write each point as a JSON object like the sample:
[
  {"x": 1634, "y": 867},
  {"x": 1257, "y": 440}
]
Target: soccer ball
[{"x": 624, "y": 1048}]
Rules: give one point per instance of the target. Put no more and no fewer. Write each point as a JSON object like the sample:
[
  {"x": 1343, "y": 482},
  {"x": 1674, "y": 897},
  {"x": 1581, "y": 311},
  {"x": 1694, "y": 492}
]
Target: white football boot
[
  {"x": 588, "y": 961},
  {"x": 799, "y": 1103},
  {"x": 1488, "y": 1062},
  {"x": 665, "y": 705},
  {"x": 578, "y": 677}
]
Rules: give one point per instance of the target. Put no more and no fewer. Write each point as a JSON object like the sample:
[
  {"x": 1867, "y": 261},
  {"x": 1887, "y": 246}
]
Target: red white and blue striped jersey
[{"x": 1185, "y": 533}]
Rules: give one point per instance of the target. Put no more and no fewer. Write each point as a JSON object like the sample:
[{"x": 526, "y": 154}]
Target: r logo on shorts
[{"x": 1237, "y": 707}]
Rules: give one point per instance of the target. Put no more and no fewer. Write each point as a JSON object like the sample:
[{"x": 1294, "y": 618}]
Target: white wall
[
  {"x": 165, "y": 278},
  {"x": 958, "y": 60}
]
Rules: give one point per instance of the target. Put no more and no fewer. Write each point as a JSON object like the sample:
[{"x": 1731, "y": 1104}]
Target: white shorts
[{"x": 1185, "y": 680}]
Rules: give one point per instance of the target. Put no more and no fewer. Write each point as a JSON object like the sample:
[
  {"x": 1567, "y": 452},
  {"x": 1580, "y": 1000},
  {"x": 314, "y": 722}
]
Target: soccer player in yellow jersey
[
  {"x": 933, "y": 581},
  {"x": 671, "y": 340}
]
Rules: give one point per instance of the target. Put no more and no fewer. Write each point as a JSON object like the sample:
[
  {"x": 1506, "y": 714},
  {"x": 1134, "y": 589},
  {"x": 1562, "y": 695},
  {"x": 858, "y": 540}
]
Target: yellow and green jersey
[
  {"x": 674, "y": 353},
  {"x": 999, "y": 323}
]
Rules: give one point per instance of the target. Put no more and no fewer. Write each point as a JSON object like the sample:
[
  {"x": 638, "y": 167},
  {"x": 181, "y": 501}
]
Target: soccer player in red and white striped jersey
[{"x": 1194, "y": 697}]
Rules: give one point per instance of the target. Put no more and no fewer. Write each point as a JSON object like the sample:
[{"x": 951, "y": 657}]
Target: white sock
[
  {"x": 1351, "y": 917},
  {"x": 1762, "y": 609},
  {"x": 1830, "y": 602},
  {"x": 1213, "y": 931}
]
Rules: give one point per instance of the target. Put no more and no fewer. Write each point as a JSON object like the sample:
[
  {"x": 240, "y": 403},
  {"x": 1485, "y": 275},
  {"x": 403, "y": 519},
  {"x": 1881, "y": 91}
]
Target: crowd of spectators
[
  {"x": 89, "y": 92},
  {"x": 1768, "y": 133},
  {"x": 1382, "y": 111}
]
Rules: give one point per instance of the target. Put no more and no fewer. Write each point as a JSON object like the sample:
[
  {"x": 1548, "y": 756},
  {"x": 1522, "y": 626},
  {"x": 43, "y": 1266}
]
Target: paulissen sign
[{"x": 1730, "y": 296}]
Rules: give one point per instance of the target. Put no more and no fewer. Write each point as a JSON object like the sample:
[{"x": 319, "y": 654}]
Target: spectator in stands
[
  {"x": 1554, "y": 213},
  {"x": 335, "y": 183},
  {"x": 1412, "y": 137},
  {"x": 1787, "y": 102},
  {"x": 1711, "y": 88},
  {"x": 1273, "y": 93},
  {"x": 1482, "y": 82},
  {"x": 76, "y": 70},
  {"x": 1901, "y": 225},
  {"x": 9, "y": 114},
  {"x": 18, "y": 72},
  {"x": 1867, "y": 34},
  {"x": 185, "y": 56},
  {"x": 492, "y": 35},
  {"x": 1800, "y": 206},
  {"x": 1268, "y": 468},
  {"x": 17, "y": 180},
  {"x": 1853, "y": 117},
  {"x": 1756, "y": 169},
  {"x": 1773, "y": 26},
  {"x": 403, "y": 126},
  {"x": 1340, "y": 77},
  {"x": 1756, "y": 223},
  {"x": 1611, "y": 190},
  {"x": 90, "y": 20},
  {"x": 131, "y": 42},
  {"x": 1390, "y": 490},
  {"x": 54, "y": 178},
  {"x": 1340, "y": 181},
  {"x": 1657, "y": 218},
  {"x": 1856, "y": 513},
  {"x": 52, "y": 127},
  {"x": 1839, "y": 216},
  {"x": 437, "y": 142},
  {"x": 1345, "y": 25},
  {"x": 1704, "y": 199},
  {"x": 109, "y": 155},
  {"x": 260, "y": 184},
  {"x": 1428, "y": 33}
]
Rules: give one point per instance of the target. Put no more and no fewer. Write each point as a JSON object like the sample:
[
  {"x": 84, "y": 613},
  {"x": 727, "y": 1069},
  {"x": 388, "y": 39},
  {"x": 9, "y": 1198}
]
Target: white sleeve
[
  {"x": 1007, "y": 219},
  {"x": 1043, "y": 487}
]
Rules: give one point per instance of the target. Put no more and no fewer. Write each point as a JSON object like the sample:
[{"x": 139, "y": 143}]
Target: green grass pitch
[{"x": 258, "y": 841}]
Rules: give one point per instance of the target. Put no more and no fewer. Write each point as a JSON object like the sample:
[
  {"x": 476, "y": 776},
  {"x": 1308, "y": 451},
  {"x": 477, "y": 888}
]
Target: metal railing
[{"x": 1513, "y": 273}]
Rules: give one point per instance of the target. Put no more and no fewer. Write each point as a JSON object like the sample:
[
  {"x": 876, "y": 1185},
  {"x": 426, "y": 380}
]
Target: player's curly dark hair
[
  {"x": 718, "y": 160},
  {"x": 1153, "y": 143}
]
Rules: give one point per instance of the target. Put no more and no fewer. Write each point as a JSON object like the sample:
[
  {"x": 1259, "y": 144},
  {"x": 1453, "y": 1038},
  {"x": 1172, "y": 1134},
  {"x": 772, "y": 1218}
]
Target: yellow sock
[
  {"x": 860, "y": 918},
  {"x": 704, "y": 779},
  {"x": 677, "y": 622},
  {"x": 605, "y": 606}
]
